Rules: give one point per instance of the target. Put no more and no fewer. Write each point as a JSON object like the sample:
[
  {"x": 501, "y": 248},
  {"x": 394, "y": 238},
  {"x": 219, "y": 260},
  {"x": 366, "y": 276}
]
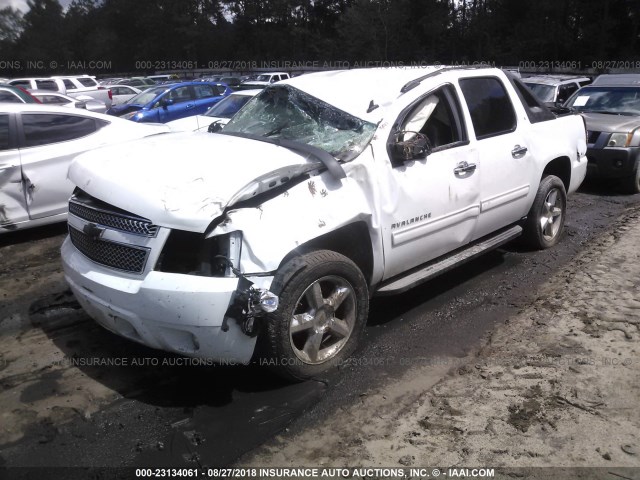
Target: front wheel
[
  {"x": 545, "y": 220},
  {"x": 323, "y": 309},
  {"x": 632, "y": 183}
]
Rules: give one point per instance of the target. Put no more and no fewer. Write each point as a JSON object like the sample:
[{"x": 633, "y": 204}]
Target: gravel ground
[{"x": 558, "y": 385}]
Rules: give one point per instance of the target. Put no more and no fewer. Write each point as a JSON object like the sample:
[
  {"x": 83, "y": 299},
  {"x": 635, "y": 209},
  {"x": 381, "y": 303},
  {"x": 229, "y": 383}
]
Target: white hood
[{"x": 178, "y": 180}]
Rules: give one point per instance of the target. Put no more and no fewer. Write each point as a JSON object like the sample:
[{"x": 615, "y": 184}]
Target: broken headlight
[{"x": 191, "y": 253}]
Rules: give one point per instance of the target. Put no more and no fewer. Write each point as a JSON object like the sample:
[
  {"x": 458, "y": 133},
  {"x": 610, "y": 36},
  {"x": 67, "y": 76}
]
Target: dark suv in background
[{"x": 611, "y": 108}]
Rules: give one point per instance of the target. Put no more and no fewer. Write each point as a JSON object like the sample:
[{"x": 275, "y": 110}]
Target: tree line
[{"x": 125, "y": 35}]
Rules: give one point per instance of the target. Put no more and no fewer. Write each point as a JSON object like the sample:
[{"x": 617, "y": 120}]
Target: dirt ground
[{"x": 558, "y": 385}]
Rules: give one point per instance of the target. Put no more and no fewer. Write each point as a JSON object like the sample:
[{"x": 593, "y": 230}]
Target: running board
[{"x": 416, "y": 277}]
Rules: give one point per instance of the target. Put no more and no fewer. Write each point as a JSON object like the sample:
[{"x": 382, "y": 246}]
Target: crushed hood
[
  {"x": 179, "y": 180},
  {"x": 602, "y": 122}
]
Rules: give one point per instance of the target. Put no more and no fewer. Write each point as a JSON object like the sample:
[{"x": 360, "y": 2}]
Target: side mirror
[
  {"x": 165, "y": 102},
  {"x": 215, "y": 127},
  {"x": 417, "y": 147}
]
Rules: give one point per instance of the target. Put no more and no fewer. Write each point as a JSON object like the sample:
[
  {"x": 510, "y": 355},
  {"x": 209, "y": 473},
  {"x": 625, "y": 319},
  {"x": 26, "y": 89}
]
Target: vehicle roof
[
  {"x": 621, "y": 79},
  {"x": 73, "y": 76},
  {"x": 352, "y": 90},
  {"x": 553, "y": 79},
  {"x": 31, "y": 78}
]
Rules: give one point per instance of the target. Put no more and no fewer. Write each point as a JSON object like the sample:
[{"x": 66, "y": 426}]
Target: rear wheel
[
  {"x": 323, "y": 309},
  {"x": 545, "y": 220}
]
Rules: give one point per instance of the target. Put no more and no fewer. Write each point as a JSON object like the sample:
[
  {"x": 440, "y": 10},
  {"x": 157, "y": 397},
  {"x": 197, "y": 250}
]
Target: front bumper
[
  {"x": 613, "y": 162},
  {"x": 173, "y": 312}
]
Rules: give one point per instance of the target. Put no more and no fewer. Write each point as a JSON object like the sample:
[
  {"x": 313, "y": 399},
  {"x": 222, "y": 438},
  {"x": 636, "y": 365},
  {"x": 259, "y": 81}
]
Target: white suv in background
[{"x": 555, "y": 89}]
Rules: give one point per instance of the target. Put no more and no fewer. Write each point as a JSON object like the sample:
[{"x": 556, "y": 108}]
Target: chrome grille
[
  {"x": 110, "y": 254},
  {"x": 108, "y": 218}
]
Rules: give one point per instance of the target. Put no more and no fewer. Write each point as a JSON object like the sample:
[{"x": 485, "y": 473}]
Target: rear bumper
[{"x": 578, "y": 173}]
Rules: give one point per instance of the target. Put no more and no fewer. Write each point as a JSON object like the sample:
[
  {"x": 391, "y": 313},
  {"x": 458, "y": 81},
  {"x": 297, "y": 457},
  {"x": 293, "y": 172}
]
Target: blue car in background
[{"x": 165, "y": 103}]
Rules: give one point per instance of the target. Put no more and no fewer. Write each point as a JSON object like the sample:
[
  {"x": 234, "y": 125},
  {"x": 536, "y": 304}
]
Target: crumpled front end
[{"x": 143, "y": 282}]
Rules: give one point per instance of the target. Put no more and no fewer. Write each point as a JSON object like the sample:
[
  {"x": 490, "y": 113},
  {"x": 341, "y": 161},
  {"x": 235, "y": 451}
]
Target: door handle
[
  {"x": 464, "y": 167},
  {"x": 518, "y": 151},
  {"x": 190, "y": 106}
]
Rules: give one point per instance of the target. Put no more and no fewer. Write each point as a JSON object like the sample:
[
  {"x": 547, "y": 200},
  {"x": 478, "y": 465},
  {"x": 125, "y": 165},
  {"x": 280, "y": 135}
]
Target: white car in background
[
  {"x": 58, "y": 99},
  {"x": 74, "y": 86},
  {"x": 121, "y": 93},
  {"x": 220, "y": 113},
  {"x": 34, "y": 189}
]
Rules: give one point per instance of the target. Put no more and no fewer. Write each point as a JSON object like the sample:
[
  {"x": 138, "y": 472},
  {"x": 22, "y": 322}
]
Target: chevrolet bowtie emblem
[{"x": 93, "y": 231}]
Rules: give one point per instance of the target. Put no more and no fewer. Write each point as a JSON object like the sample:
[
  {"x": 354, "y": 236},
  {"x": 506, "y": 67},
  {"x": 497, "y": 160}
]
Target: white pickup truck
[{"x": 323, "y": 191}]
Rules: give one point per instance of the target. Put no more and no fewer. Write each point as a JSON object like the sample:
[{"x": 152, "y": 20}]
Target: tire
[
  {"x": 632, "y": 183},
  {"x": 545, "y": 220},
  {"x": 323, "y": 308}
]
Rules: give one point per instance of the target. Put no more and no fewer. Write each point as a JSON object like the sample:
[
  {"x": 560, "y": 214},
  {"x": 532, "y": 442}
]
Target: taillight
[{"x": 108, "y": 92}]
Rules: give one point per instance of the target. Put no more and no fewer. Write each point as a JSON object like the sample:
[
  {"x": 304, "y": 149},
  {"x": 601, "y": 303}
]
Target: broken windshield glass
[{"x": 284, "y": 112}]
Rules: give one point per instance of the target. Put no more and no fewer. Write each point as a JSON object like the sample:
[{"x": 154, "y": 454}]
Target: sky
[{"x": 22, "y": 4}]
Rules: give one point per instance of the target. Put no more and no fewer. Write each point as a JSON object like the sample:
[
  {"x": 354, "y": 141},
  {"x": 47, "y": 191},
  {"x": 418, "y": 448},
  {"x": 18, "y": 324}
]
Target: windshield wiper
[
  {"x": 277, "y": 129},
  {"x": 325, "y": 157}
]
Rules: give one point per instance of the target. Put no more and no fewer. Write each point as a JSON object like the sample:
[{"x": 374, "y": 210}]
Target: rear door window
[
  {"x": 180, "y": 94},
  {"x": 44, "y": 129},
  {"x": 47, "y": 85},
  {"x": 489, "y": 105}
]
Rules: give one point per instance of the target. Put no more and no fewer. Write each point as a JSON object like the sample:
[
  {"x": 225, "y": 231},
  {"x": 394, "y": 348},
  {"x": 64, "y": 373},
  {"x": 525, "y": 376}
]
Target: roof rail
[{"x": 414, "y": 83}]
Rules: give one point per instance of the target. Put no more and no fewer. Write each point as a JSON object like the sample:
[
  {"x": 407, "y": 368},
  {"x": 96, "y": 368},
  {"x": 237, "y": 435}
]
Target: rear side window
[
  {"x": 44, "y": 129},
  {"x": 21, "y": 83},
  {"x": 489, "y": 105},
  {"x": 205, "y": 91},
  {"x": 87, "y": 82},
  {"x": 46, "y": 85},
  {"x": 4, "y": 132},
  {"x": 52, "y": 99}
]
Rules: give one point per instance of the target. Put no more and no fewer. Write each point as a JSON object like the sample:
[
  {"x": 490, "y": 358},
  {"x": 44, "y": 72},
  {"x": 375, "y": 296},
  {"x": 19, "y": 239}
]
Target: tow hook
[{"x": 249, "y": 303}]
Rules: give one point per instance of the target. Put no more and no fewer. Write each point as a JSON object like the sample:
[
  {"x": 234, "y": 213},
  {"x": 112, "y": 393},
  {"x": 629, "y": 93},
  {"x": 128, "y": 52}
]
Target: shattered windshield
[
  {"x": 614, "y": 100},
  {"x": 284, "y": 112}
]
